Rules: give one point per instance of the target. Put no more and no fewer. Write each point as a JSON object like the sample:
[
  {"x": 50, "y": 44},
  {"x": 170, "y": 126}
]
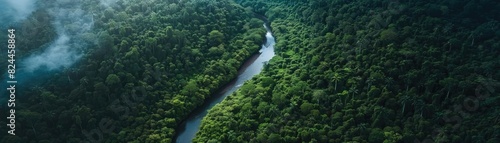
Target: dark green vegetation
[
  {"x": 370, "y": 71},
  {"x": 154, "y": 62}
]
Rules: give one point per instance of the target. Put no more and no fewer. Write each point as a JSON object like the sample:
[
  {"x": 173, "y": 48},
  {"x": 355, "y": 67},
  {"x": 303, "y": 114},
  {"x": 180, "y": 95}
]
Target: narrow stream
[{"x": 250, "y": 68}]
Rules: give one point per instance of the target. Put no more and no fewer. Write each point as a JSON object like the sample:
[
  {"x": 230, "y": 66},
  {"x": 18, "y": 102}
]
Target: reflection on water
[{"x": 251, "y": 68}]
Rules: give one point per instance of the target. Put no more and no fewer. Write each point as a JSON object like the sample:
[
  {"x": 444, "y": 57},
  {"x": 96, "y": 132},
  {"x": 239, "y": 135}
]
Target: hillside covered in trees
[
  {"x": 370, "y": 71},
  {"x": 147, "y": 65},
  {"x": 344, "y": 71}
]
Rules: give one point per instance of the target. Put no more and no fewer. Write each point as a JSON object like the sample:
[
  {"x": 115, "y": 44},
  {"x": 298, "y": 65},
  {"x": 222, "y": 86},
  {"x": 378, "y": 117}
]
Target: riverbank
[{"x": 250, "y": 68}]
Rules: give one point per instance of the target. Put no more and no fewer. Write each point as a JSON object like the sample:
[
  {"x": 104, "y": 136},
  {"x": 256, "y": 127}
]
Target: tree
[
  {"x": 100, "y": 89},
  {"x": 370, "y": 81},
  {"x": 392, "y": 137},
  {"x": 216, "y": 37},
  {"x": 105, "y": 40},
  {"x": 309, "y": 67},
  {"x": 319, "y": 95},
  {"x": 306, "y": 108},
  {"x": 405, "y": 99},
  {"x": 354, "y": 91},
  {"x": 419, "y": 106},
  {"x": 376, "y": 135},
  {"x": 336, "y": 78},
  {"x": 112, "y": 79},
  {"x": 263, "y": 108},
  {"x": 31, "y": 117},
  {"x": 344, "y": 95},
  {"x": 151, "y": 43},
  {"x": 133, "y": 54},
  {"x": 388, "y": 35},
  {"x": 190, "y": 88},
  {"x": 47, "y": 99},
  {"x": 78, "y": 121},
  {"x": 216, "y": 51},
  {"x": 448, "y": 83},
  {"x": 274, "y": 138},
  {"x": 278, "y": 99}
]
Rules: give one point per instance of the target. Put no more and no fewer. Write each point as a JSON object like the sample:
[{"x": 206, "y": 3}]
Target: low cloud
[
  {"x": 15, "y": 10},
  {"x": 71, "y": 23},
  {"x": 56, "y": 56}
]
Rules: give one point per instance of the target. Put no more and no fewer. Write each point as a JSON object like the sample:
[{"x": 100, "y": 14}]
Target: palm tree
[
  {"x": 390, "y": 81},
  {"x": 337, "y": 104},
  {"x": 369, "y": 81},
  {"x": 448, "y": 83},
  {"x": 419, "y": 106},
  {"x": 353, "y": 90},
  {"x": 405, "y": 99},
  {"x": 343, "y": 95},
  {"x": 336, "y": 78},
  {"x": 362, "y": 128}
]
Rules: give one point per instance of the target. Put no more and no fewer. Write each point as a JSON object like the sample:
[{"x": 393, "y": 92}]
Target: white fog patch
[
  {"x": 13, "y": 11},
  {"x": 59, "y": 54},
  {"x": 19, "y": 9},
  {"x": 107, "y": 3},
  {"x": 71, "y": 24}
]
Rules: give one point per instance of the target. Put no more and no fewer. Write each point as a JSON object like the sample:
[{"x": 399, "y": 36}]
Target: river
[{"x": 249, "y": 69}]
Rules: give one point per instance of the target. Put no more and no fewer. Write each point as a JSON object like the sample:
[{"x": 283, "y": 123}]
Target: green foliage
[
  {"x": 112, "y": 79},
  {"x": 369, "y": 71},
  {"x": 216, "y": 37},
  {"x": 148, "y": 64},
  {"x": 306, "y": 108},
  {"x": 388, "y": 35},
  {"x": 376, "y": 135},
  {"x": 344, "y": 71},
  {"x": 392, "y": 137}
]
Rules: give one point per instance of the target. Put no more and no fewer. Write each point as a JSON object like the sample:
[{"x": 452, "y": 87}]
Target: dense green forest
[
  {"x": 370, "y": 71},
  {"x": 344, "y": 71},
  {"x": 148, "y": 64}
]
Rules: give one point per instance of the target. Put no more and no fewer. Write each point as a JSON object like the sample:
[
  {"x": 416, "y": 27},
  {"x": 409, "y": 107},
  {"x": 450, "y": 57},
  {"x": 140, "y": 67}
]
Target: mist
[
  {"x": 57, "y": 56},
  {"x": 71, "y": 23},
  {"x": 107, "y": 3},
  {"x": 15, "y": 10},
  {"x": 73, "y": 27}
]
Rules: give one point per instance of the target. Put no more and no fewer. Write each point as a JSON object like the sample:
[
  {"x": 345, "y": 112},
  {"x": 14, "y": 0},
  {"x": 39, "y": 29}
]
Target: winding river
[{"x": 249, "y": 69}]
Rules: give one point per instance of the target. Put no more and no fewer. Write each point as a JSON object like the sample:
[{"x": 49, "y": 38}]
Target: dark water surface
[{"x": 249, "y": 69}]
